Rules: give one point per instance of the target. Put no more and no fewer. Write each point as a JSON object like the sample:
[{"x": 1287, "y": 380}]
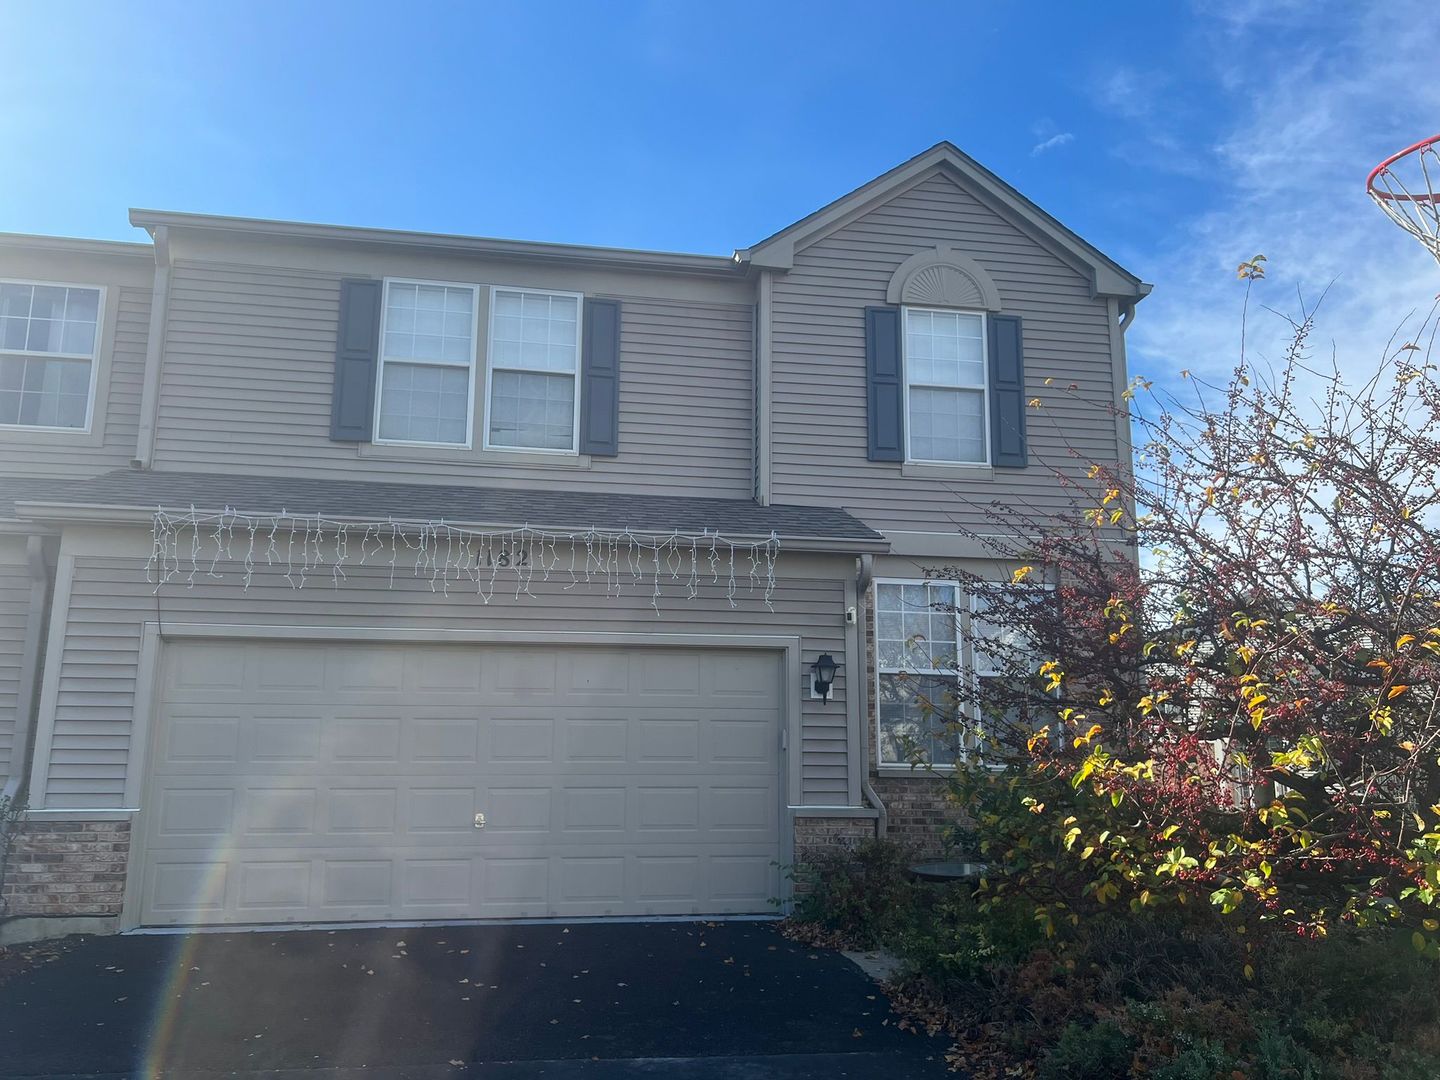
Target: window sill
[
  {"x": 25, "y": 434},
  {"x": 925, "y": 772},
  {"x": 437, "y": 455},
  {"x": 918, "y": 471}
]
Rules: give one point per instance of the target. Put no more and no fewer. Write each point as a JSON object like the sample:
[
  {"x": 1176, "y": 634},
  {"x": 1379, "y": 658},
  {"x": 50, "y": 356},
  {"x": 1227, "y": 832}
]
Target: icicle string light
[{"x": 193, "y": 543}]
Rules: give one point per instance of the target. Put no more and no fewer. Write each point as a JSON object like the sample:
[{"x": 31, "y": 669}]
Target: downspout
[
  {"x": 863, "y": 579},
  {"x": 32, "y": 659},
  {"x": 764, "y": 343},
  {"x": 154, "y": 349}
]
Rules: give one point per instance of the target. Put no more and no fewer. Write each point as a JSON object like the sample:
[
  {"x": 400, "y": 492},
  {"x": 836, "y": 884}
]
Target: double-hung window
[
  {"x": 427, "y": 363},
  {"x": 921, "y": 642},
  {"x": 533, "y": 401},
  {"x": 945, "y": 385},
  {"x": 917, "y": 650},
  {"x": 48, "y": 338}
]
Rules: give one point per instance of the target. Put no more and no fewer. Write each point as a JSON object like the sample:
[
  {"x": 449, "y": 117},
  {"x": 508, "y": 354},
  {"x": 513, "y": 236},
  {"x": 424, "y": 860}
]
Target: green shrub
[
  {"x": 1278, "y": 1056},
  {"x": 1101, "y": 1052},
  {"x": 950, "y": 943},
  {"x": 1197, "y": 1060},
  {"x": 865, "y": 894}
]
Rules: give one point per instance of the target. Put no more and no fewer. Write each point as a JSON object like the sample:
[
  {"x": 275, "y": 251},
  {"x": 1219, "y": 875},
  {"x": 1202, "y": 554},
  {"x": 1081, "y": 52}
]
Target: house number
[{"x": 506, "y": 557}]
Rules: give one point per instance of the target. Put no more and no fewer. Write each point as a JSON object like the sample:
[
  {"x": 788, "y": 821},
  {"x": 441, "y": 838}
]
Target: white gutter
[
  {"x": 444, "y": 243},
  {"x": 154, "y": 349}
]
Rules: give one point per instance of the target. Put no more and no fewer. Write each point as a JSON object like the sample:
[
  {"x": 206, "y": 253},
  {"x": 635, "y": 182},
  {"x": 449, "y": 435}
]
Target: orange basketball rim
[{"x": 1407, "y": 187}]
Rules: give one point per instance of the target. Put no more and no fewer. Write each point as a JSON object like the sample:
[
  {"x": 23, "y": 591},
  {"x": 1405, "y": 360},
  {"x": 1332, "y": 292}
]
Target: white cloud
[
  {"x": 1051, "y": 143},
  {"x": 1323, "y": 93}
]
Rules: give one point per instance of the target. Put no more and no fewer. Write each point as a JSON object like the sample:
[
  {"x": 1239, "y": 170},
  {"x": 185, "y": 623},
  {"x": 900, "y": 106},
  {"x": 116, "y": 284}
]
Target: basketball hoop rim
[{"x": 1388, "y": 196}]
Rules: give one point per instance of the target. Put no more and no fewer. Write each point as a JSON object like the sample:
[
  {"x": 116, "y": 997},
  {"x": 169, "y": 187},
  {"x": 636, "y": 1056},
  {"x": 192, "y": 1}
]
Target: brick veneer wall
[
  {"x": 813, "y": 836},
  {"x": 67, "y": 868}
]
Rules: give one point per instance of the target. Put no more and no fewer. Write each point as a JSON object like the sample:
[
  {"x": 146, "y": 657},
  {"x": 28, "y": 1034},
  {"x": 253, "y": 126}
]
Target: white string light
[{"x": 195, "y": 543}]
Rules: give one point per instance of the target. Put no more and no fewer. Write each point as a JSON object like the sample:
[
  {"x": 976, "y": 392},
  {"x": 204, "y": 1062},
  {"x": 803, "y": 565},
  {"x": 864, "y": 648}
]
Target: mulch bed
[{"x": 18, "y": 959}]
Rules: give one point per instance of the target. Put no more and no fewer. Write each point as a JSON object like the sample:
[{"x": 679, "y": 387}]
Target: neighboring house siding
[
  {"x": 248, "y": 377},
  {"x": 110, "y": 599},
  {"x": 14, "y": 602},
  {"x": 819, "y": 388}
]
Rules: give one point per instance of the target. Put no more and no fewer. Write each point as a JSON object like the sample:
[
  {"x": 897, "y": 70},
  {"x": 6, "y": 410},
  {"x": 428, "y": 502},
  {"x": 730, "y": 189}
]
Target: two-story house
[{"x": 353, "y": 574}]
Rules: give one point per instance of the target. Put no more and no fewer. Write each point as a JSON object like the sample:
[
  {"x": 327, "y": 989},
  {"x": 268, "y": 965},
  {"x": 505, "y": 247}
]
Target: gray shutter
[
  {"x": 885, "y": 376},
  {"x": 352, "y": 402},
  {"x": 600, "y": 379},
  {"x": 1007, "y": 392}
]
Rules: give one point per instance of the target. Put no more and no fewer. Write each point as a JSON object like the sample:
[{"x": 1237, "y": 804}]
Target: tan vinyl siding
[
  {"x": 110, "y": 600},
  {"x": 111, "y": 442},
  {"x": 14, "y": 602},
  {"x": 819, "y": 452},
  {"x": 249, "y": 367}
]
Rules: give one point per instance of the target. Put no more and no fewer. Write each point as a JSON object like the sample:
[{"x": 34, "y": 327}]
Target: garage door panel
[
  {"x": 284, "y": 740},
  {"x": 444, "y": 740},
  {"x": 341, "y": 782},
  {"x": 273, "y": 885}
]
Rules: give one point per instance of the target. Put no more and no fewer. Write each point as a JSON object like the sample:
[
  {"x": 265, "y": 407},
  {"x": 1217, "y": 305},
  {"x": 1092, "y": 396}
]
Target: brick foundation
[
  {"x": 67, "y": 868},
  {"x": 814, "y": 836}
]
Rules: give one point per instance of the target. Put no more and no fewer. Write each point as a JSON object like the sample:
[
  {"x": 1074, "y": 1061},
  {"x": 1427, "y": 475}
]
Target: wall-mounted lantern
[{"x": 822, "y": 673}]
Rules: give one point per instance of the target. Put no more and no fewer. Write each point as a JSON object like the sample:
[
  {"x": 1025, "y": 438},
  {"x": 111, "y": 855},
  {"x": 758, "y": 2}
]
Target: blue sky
[{"x": 1180, "y": 138}]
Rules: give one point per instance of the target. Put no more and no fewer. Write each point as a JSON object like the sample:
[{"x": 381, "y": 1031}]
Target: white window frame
[
  {"x": 579, "y": 361},
  {"x": 984, "y": 387},
  {"x": 93, "y": 357},
  {"x": 964, "y": 664},
  {"x": 470, "y": 367}
]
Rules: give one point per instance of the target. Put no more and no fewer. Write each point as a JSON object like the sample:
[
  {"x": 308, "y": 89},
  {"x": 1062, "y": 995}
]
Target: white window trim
[
  {"x": 579, "y": 361},
  {"x": 470, "y": 367},
  {"x": 983, "y": 388},
  {"x": 93, "y": 357},
  {"x": 962, "y": 646}
]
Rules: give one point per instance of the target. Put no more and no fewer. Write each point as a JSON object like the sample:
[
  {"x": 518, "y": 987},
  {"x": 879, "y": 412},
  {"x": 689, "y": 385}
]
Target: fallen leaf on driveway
[
  {"x": 857, "y": 1034},
  {"x": 456, "y": 1061}
]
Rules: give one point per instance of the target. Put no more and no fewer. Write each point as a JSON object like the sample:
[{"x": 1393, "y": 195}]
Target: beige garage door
[{"x": 342, "y": 782}]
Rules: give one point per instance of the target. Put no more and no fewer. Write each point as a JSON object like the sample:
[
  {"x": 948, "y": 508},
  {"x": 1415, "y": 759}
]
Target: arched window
[{"x": 944, "y": 298}]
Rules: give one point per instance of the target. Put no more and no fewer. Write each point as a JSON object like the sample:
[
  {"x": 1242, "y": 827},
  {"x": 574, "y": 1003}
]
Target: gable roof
[{"x": 1107, "y": 277}]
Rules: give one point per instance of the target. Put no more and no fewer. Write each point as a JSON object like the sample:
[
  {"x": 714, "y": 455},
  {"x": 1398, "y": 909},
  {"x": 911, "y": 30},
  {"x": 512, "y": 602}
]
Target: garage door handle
[{"x": 479, "y": 821}]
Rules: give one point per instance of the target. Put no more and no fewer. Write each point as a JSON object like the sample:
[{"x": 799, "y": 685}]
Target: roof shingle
[{"x": 361, "y": 500}]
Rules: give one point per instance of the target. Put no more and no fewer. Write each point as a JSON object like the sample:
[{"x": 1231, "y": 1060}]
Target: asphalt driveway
[{"x": 595, "y": 1001}]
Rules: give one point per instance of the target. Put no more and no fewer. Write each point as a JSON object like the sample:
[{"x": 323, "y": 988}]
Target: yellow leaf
[
  {"x": 1249, "y": 972},
  {"x": 1021, "y": 574},
  {"x": 1404, "y": 639},
  {"x": 1396, "y": 691}
]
